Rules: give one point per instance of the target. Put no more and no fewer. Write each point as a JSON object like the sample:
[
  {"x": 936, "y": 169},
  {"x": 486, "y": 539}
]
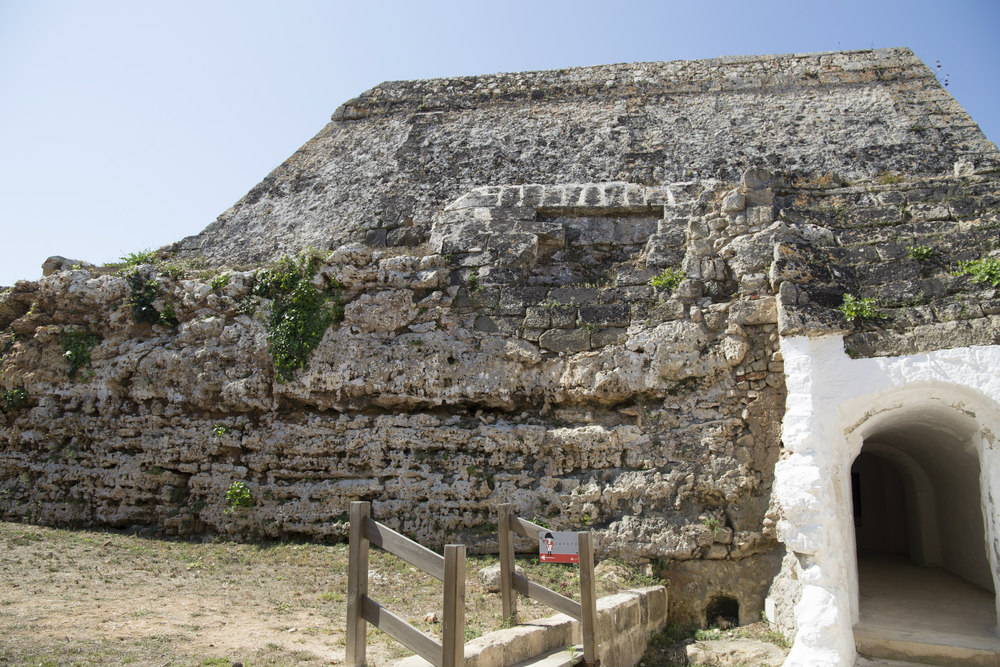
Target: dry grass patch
[{"x": 78, "y": 598}]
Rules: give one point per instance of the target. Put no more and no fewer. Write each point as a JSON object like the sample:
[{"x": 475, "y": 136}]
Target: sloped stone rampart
[{"x": 390, "y": 159}]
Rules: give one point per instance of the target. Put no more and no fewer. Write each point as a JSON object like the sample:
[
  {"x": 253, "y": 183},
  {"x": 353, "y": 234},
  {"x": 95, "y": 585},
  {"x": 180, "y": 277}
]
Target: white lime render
[{"x": 936, "y": 417}]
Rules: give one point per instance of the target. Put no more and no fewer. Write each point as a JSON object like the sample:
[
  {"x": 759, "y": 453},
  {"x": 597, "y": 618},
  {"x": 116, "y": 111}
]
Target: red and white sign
[{"x": 558, "y": 547}]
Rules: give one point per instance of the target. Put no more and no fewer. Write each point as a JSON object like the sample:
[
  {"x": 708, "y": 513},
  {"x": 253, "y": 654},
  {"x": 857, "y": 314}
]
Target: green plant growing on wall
[
  {"x": 76, "y": 345},
  {"x": 220, "y": 281},
  {"x": 473, "y": 281},
  {"x": 983, "y": 270},
  {"x": 142, "y": 294},
  {"x": 13, "y": 399},
  {"x": 168, "y": 316},
  {"x": 300, "y": 313},
  {"x": 238, "y": 495},
  {"x": 135, "y": 259},
  {"x": 860, "y": 309},
  {"x": 9, "y": 338},
  {"x": 889, "y": 178},
  {"x": 920, "y": 253},
  {"x": 668, "y": 279},
  {"x": 220, "y": 430},
  {"x": 713, "y": 525}
]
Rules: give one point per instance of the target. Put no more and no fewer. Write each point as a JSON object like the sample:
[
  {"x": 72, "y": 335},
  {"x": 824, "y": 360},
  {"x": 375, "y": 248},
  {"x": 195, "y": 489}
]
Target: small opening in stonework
[{"x": 722, "y": 611}]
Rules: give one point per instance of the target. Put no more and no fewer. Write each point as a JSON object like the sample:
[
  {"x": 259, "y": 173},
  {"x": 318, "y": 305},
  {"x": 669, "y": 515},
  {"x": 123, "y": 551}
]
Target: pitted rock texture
[
  {"x": 520, "y": 355},
  {"x": 523, "y": 357},
  {"x": 858, "y": 241},
  {"x": 390, "y": 159}
]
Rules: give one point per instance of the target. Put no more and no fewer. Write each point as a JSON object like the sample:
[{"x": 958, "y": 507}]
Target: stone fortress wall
[
  {"x": 508, "y": 372},
  {"x": 502, "y": 341},
  {"x": 392, "y": 158}
]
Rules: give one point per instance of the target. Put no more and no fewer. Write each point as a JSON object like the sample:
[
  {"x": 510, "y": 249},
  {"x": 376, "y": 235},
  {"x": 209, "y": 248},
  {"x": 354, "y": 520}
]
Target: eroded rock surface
[{"x": 390, "y": 159}]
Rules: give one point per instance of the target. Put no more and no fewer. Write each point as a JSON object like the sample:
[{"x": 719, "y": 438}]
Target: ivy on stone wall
[{"x": 300, "y": 312}]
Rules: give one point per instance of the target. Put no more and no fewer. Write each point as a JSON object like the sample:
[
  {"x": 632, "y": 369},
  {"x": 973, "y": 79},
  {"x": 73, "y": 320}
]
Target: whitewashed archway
[{"x": 834, "y": 403}]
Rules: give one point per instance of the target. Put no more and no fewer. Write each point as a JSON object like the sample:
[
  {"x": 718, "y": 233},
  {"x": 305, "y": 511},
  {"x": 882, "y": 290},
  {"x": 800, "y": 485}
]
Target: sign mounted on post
[{"x": 558, "y": 547}]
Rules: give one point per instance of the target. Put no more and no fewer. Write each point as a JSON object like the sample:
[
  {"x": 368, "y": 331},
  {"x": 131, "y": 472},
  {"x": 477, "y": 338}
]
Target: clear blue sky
[{"x": 129, "y": 125}]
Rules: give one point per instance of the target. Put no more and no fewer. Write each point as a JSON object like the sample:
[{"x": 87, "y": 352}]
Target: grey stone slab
[{"x": 565, "y": 340}]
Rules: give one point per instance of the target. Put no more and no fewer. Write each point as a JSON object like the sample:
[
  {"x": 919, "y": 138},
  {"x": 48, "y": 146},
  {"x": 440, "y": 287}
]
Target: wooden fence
[
  {"x": 362, "y": 610},
  {"x": 512, "y": 583}
]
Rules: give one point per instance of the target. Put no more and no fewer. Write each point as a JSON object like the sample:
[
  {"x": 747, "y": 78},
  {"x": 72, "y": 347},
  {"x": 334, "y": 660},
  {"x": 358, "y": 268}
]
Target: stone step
[
  {"x": 872, "y": 662},
  {"x": 560, "y": 657},
  {"x": 925, "y": 648}
]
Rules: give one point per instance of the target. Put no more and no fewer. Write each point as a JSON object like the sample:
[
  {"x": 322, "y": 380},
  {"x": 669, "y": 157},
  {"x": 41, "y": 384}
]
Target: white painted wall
[{"x": 834, "y": 403}]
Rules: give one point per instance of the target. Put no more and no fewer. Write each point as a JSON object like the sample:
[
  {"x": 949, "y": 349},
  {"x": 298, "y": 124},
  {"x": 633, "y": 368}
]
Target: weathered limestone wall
[
  {"x": 389, "y": 160},
  {"x": 521, "y": 357}
]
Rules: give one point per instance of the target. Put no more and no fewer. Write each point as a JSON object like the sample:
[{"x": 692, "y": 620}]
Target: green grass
[{"x": 123, "y": 584}]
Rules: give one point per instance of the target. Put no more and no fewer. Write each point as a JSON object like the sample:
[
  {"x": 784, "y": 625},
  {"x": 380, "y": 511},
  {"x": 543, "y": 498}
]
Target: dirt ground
[{"x": 81, "y": 597}]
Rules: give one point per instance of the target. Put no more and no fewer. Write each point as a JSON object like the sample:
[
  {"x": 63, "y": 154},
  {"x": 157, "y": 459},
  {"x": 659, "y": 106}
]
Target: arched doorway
[
  {"x": 919, "y": 530},
  {"x": 932, "y": 420}
]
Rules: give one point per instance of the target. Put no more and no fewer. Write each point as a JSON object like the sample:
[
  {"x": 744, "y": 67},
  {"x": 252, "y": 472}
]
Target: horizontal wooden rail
[
  {"x": 407, "y": 635},
  {"x": 525, "y": 528},
  {"x": 402, "y": 546},
  {"x": 530, "y": 589}
]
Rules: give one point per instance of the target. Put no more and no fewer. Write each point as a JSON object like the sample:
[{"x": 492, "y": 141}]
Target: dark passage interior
[
  {"x": 916, "y": 493},
  {"x": 880, "y": 517},
  {"x": 923, "y": 572}
]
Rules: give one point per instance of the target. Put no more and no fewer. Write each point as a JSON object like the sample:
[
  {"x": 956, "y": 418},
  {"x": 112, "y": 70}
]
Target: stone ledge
[{"x": 625, "y": 622}]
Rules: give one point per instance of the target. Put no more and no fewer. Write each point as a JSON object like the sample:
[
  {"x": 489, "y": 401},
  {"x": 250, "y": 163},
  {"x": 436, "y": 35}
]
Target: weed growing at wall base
[{"x": 238, "y": 495}]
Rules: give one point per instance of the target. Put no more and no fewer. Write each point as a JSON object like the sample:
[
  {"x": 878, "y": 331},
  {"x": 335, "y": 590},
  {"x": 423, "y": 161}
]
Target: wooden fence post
[
  {"x": 588, "y": 600},
  {"x": 453, "y": 630},
  {"x": 357, "y": 585},
  {"x": 508, "y": 596}
]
